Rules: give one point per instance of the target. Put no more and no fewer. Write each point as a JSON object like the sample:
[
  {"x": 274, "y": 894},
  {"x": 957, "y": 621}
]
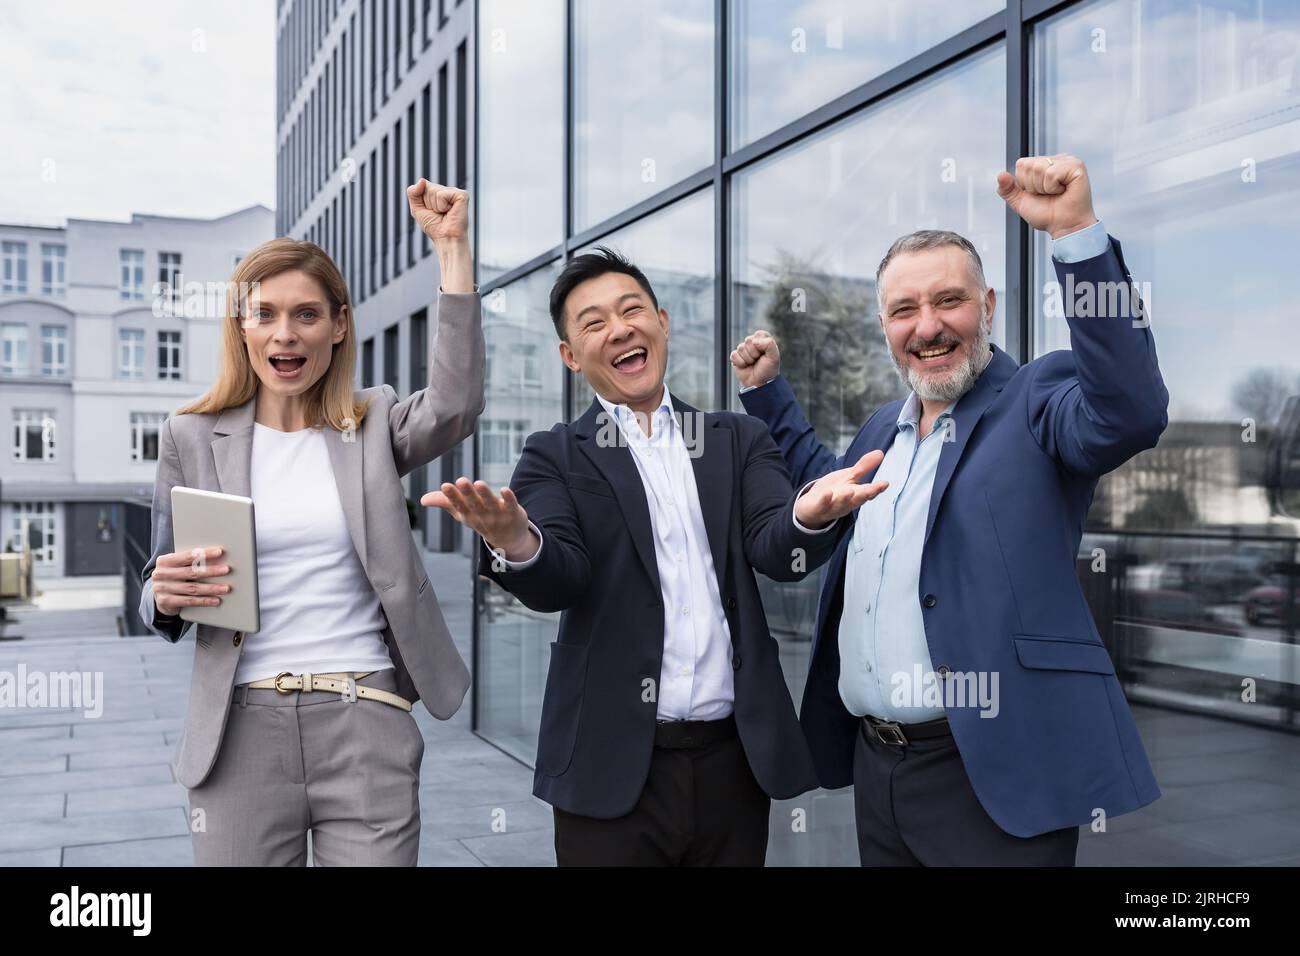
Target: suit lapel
[
  {"x": 969, "y": 410},
  {"x": 708, "y": 445},
  {"x": 346, "y": 458},
  {"x": 600, "y": 440},
  {"x": 232, "y": 450}
]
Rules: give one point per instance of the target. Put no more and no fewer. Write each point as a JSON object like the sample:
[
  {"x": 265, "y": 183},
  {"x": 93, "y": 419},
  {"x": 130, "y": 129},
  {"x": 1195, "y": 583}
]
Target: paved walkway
[{"x": 81, "y": 791}]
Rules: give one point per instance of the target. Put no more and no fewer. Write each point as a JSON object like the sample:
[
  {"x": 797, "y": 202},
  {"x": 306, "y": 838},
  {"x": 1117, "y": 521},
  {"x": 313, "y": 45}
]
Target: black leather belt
[
  {"x": 894, "y": 734},
  {"x": 679, "y": 734}
]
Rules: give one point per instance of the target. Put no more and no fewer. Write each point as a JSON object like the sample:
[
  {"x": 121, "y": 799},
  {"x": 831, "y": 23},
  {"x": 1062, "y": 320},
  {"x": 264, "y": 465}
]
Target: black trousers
[
  {"x": 915, "y": 807},
  {"x": 701, "y": 806}
]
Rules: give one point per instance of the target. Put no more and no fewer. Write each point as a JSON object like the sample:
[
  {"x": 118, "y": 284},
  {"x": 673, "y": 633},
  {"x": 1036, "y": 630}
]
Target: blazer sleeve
[
  {"x": 774, "y": 545},
  {"x": 776, "y": 406},
  {"x": 167, "y": 626},
  {"x": 439, "y": 416},
  {"x": 561, "y": 574},
  {"x": 1097, "y": 411}
]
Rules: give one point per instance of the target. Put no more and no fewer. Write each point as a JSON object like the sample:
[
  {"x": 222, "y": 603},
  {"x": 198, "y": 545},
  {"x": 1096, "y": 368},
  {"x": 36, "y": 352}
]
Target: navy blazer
[
  {"x": 998, "y": 588},
  {"x": 598, "y": 566}
]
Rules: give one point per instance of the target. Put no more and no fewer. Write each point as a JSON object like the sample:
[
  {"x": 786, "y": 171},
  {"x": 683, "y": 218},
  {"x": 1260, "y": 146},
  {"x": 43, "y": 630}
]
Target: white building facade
[{"x": 94, "y": 355}]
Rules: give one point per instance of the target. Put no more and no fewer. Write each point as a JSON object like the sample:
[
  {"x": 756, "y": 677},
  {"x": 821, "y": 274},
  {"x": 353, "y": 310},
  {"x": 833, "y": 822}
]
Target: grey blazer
[{"x": 212, "y": 452}]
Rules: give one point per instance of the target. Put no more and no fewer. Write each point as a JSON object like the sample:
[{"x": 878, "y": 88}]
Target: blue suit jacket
[{"x": 998, "y": 586}]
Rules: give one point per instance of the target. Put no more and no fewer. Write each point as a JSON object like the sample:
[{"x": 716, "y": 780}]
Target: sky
[{"x": 109, "y": 109}]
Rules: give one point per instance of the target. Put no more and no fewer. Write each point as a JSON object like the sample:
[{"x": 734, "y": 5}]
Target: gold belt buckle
[{"x": 279, "y": 677}]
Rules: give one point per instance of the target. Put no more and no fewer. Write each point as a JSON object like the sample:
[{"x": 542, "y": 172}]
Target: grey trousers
[{"x": 347, "y": 771}]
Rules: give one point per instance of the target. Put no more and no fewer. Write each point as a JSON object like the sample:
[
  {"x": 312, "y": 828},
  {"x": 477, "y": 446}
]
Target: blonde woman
[{"x": 305, "y": 725}]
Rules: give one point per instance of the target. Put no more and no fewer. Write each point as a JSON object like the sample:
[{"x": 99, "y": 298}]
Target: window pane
[
  {"x": 514, "y": 642},
  {"x": 810, "y": 226},
  {"x": 643, "y": 100},
  {"x": 674, "y": 248},
  {"x": 1186, "y": 114},
  {"x": 790, "y": 58},
  {"x": 521, "y": 130}
]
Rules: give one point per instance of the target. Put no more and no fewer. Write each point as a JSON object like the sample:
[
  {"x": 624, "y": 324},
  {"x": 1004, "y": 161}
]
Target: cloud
[{"x": 155, "y": 107}]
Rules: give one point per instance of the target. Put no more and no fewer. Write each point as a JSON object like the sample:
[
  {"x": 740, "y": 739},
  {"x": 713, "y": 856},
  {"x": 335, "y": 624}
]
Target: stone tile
[
  {"x": 96, "y": 828},
  {"x": 77, "y": 780},
  {"x": 113, "y": 728},
  {"x": 459, "y": 822},
  {"x": 47, "y": 857},
  {"x": 446, "y": 853},
  {"x": 122, "y": 757},
  {"x": 160, "y": 851},
  {"x": 118, "y": 799},
  {"x": 521, "y": 848},
  {"x": 76, "y": 746},
  {"x": 45, "y": 806},
  {"x": 17, "y": 764}
]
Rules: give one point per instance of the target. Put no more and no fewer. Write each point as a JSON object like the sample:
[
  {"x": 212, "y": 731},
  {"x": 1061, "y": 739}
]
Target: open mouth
[
  {"x": 935, "y": 354},
  {"x": 631, "y": 361},
  {"x": 288, "y": 366}
]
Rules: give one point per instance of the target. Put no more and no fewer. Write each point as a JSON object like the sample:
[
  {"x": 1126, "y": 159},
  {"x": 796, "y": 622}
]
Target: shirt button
[
  {"x": 681, "y": 555},
  {"x": 868, "y": 608},
  {"x": 868, "y": 666},
  {"x": 684, "y": 672},
  {"x": 929, "y": 600},
  {"x": 686, "y": 611}
]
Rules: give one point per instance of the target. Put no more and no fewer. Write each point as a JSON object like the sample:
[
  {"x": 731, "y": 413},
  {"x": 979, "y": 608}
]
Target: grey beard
[{"x": 958, "y": 382}]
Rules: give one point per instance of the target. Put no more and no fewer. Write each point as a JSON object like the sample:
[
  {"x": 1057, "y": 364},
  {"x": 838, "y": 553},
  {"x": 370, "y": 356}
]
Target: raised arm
[
  {"x": 1109, "y": 402},
  {"x": 766, "y": 394},
  {"x": 439, "y": 416}
]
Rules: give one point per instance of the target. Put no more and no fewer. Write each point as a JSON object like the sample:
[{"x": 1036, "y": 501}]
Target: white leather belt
[{"x": 345, "y": 684}]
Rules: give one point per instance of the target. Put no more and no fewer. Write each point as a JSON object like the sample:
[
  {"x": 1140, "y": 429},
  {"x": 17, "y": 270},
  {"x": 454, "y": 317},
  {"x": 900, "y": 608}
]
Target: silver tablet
[{"x": 205, "y": 519}]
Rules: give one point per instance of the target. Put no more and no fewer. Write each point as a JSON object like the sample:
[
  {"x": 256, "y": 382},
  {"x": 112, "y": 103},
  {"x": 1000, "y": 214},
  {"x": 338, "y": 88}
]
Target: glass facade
[
  {"x": 1190, "y": 113},
  {"x": 521, "y": 138},
  {"x": 789, "y": 145},
  {"x": 524, "y": 390},
  {"x": 642, "y": 100}
]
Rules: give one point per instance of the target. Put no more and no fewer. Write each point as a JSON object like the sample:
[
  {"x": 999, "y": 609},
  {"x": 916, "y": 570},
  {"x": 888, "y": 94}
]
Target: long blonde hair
[{"x": 331, "y": 399}]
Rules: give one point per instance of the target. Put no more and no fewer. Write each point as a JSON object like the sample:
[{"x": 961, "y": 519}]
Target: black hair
[{"x": 592, "y": 265}]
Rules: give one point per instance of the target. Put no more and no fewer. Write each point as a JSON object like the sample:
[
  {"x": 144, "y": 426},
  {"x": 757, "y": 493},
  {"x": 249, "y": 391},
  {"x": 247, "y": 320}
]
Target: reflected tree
[{"x": 832, "y": 348}]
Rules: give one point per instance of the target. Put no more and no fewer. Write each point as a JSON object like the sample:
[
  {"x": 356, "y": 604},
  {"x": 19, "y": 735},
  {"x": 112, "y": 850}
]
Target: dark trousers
[
  {"x": 915, "y": 807},
  {"x": 701, "y": 806}
]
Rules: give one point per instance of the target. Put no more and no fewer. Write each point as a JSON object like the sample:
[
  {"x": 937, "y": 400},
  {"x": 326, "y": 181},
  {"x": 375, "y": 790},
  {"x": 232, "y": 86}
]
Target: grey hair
[{"x": 924, "y": 239}]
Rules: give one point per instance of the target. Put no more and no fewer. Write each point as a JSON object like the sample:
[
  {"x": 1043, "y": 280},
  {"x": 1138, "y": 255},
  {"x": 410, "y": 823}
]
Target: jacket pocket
[
  {"x": 593, "y": 485},
  {"x": 1062, "y": 654},
  {"x": 561, "y": 707}
]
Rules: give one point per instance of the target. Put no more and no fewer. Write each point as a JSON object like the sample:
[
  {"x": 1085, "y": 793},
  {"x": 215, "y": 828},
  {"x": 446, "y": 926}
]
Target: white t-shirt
[{"x": 319, "y": 612}]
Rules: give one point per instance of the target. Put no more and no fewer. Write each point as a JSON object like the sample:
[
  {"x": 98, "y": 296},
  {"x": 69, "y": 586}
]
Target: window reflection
[
  {"x": 674, "y": 248},
  {"x": 1188, "y": 116},
  {"x": 790, "y": 58},
  {"x": 643, "y": 100},
  {"x": 521, "y": 131},
  {"x": 810, "y": 226},
  {"x": 525, "y": 393}
]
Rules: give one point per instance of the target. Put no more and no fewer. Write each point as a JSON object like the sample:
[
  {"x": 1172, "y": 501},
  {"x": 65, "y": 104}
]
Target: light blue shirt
[{"x": 882, "y": 633}]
